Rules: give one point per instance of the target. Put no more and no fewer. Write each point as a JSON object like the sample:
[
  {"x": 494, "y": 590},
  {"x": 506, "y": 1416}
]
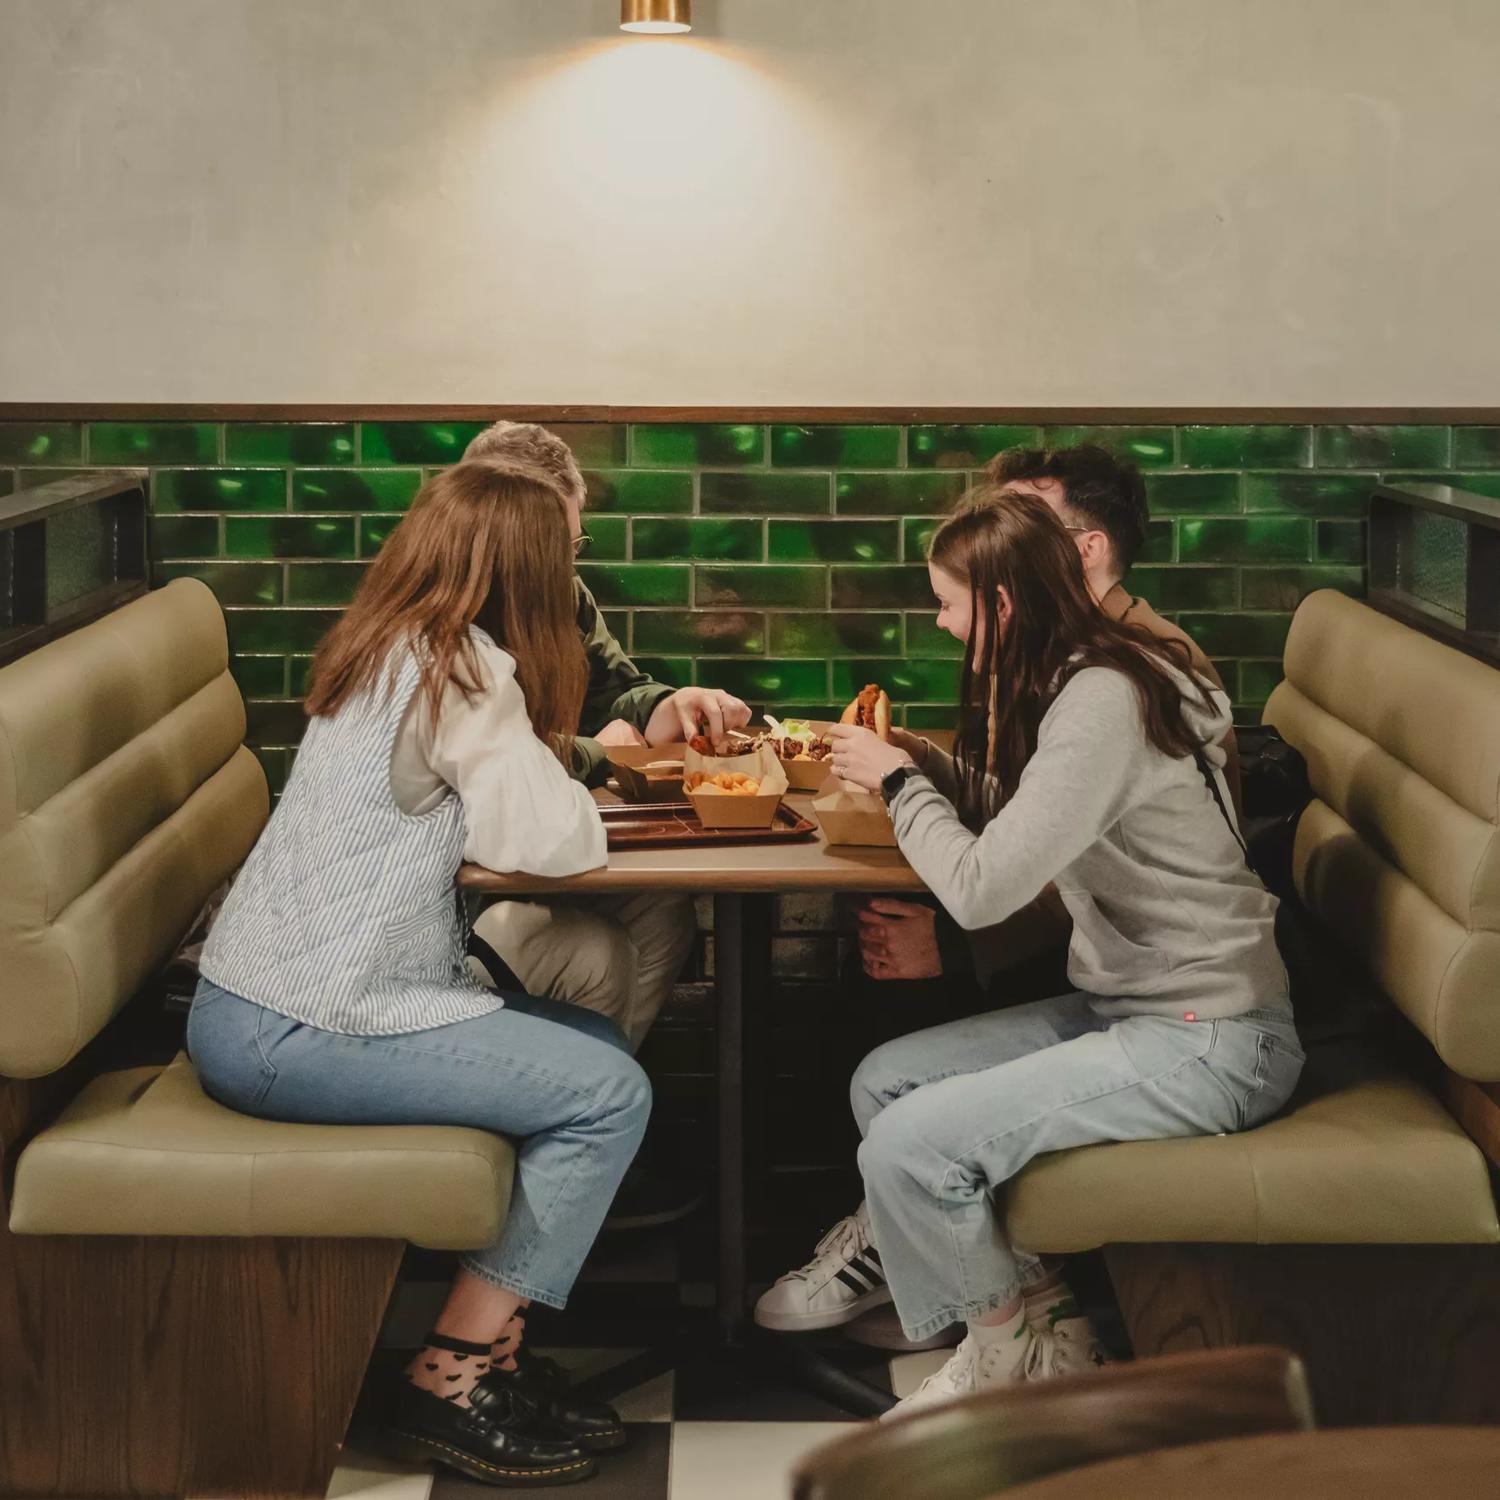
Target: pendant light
[{"x": 656, "y": 17}]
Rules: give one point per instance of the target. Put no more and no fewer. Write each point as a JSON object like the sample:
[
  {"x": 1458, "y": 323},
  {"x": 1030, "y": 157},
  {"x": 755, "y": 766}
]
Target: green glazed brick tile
[
  {"x": 835, "y": 634},
  {"x": 675, "y": 671},
  {"x": 184, "y": 536},
  {"x": 1286, "y": 588},
  {"x": 1161, "y": 543},
  {"x": 232, "y": 583},
  {"x": 1238, "y": 634},
  {"x": 836, "y": 447},
  {"x": 317, "y": 443},
  {"x": 924, "y": 638},
  {"x": 274, "y": 721},
  {"x": 218, "y": 489},
  {"x": 1474, "y": 447},
  {"x": 288, "y": 630},
  {"x": 834, "y": 541},
  {"x": 964, "y": 447},
  {"x": 934, "y": 681},
  {"x": 41, "y": 442},
  {"x": 767, "y": 681},
  {"x": 1174, "y": 588},
  {"x": 921, "y": 716},
  {"x": 1258, "y": 679},
  {"x": 1148, "y": 447},
  {"x": 708, "y": 632},
  {"x": 881, "y": 588},
  {"x": 708, "y": 541},
  {"x": 322, "y": 583},
  {"x": 1193, "y": 494},
  {"x": 1309, "y": 494},
  {"x": 1341, "y": 541},
  {"x": 415, "y": 442},
  {"x": 640, "y": 492},
  {"x": 7, "y": 481},
  {"x": 896, "y": 494},
  {"x": 1382, "y": 447},
  {"x": 609, "y": 538},
  {"x": 916, "y": 536},
  {"x": 676, "y": 446},
  {"x": 617, "y": 622},
  {"x": 773, "y": 587},
  {"x": 289, "y": 536},
  {"x": 274, "y": 763},
  {"x": 1260, "y": 539},
  {"x": 259, "y": 676},
  {"x": 153, "y": 443},
  {"x": 594, "y": 444},
  {"x": 1475, "y": 484},
  {"x": 354, "y": 489},
  {"x": 1246, "y": 447},
  {"x": 373, "y": 530},
  {"x": 636, "y": 583},
  {"x": 299, "y": 675},
  {"x": 765, "y": 494}
]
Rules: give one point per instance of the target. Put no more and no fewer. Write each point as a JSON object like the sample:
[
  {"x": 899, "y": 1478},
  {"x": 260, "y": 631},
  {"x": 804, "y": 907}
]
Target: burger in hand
[{"x": 862, "y": 752}]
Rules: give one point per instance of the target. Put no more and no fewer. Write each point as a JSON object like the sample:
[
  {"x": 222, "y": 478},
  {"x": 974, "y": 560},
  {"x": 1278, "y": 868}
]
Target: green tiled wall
[{"x": 782, "y": 562}]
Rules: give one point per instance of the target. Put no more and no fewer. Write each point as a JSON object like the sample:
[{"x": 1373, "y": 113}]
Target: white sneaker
[
  {"x": 842, "y": 1280},
  {"x": 980, "y": 1367},
  {"x": 1075, "y": 1339}
]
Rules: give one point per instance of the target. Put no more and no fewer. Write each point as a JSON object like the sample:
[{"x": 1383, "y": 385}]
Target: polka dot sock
[{"x": 449, "y": 1367}]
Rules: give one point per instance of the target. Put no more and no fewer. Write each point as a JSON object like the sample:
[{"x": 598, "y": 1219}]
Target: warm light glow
[{"x": 656, "y": 17}]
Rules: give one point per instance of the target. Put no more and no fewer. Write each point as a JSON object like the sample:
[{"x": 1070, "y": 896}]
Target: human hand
[
  {"x": 914, "y": 745},
  {"x": 618, "y": 733},
  {"x": 898, "y": 940},
  {"x": 678, "y": 717},
  {"x": 861, "y": 756}
]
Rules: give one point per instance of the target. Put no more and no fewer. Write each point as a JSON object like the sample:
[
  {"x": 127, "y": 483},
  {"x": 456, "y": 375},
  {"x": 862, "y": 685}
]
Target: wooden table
[
  {"x": 1385, "y": 1463},
  {"x": 743, "y": 880}
]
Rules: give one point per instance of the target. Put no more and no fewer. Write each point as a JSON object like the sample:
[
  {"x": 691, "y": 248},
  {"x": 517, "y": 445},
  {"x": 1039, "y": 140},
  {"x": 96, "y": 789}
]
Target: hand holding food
[
  {"x": 862, "y": 752},
  {"x": 703, "y": 714}
]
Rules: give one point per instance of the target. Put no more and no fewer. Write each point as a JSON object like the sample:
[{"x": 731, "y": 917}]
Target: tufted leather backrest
[
  {"x": 1399, "y": 853},
  {"x": 126, "y": 797}
]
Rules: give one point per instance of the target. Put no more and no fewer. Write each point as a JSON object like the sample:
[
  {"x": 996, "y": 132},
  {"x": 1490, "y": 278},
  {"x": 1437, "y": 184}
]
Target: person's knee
[
  {"x": 625, "y": 1092},
  {"x": 876, "y": 1082}
]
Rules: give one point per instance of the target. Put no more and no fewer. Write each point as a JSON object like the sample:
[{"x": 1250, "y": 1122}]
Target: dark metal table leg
[{"x": 729, "y": 987}]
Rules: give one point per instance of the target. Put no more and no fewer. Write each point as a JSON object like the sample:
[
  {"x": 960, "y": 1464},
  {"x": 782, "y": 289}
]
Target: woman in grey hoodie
[{"x": 1090, "y": 751}]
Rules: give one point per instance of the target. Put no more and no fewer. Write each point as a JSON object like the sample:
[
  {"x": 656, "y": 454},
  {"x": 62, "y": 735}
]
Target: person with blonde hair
[{"x": 334, "y": 984}]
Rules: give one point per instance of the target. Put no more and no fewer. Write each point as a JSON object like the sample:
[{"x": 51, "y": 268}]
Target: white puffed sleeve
[{"x": 524, "y": 813}]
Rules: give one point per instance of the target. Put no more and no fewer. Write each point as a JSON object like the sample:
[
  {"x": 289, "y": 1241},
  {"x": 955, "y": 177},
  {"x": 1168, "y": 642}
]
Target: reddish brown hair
[
  {"x": 531, "y": 447},
  {"x": 484, "y": 544},
  {"x": 1001, "y": 539}
]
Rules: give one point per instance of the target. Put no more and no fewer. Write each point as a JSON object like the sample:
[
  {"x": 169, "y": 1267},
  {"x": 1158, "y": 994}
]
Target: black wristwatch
[{"x": 893, "y": 781}]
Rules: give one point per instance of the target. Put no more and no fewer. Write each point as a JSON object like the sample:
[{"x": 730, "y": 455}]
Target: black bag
[{"x": 1274, "y": 788}]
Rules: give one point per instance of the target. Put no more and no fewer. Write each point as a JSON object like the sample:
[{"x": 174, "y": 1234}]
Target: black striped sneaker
[{"x": 842, "y": 1280}]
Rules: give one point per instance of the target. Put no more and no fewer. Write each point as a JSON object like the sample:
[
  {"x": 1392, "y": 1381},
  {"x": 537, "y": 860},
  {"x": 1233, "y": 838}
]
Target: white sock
[{"x": 1001, "y": 1335}]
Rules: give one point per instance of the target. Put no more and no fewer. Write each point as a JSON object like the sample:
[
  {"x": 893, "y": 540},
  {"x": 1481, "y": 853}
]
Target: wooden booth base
[
  {"x": 1388, "y": 1333},
  {"x": 183, "y": 1367}
]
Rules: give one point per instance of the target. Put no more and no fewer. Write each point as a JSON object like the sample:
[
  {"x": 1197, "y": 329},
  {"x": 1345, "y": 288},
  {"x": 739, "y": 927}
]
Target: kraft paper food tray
[
  {"x": 848, "y": 814},
  {"x": 725, "y": 810},
  {"x": 809, "y": 775},
  {"x": 635, "y": 770}
]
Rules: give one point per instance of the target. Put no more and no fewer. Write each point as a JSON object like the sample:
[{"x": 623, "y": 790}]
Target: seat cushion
[
  {"x": 147, "y": 1152},
  {"x": 1377, "y": 1161}
]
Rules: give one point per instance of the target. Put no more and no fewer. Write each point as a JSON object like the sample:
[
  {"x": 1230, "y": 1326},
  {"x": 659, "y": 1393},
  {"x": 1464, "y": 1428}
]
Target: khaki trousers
[{"x": 617, "y": 955}]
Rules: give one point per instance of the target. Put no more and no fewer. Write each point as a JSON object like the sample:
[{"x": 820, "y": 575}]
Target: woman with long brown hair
[
  {"x": 1087, "y": 756},
  {"x": 335, "y": 988}
]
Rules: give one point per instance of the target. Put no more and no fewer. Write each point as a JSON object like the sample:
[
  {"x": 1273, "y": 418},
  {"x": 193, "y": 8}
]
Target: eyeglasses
[
  {"x": 1081, "y": 530},
  {"x": 581, "y": 543}
]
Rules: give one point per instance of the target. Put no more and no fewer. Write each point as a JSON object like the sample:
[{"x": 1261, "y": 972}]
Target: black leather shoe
[
  {"x": 496, "y": 1439},
  {"x": 541, "y": 1371},
  {"x": 591, "y": 1425}
]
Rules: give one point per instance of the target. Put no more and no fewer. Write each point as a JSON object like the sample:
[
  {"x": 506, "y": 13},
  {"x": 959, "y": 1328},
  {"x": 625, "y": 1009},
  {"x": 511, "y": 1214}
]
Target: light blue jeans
[
  {"x": 558, "y": 1076},
  {"x": 951, "y": 1114}
]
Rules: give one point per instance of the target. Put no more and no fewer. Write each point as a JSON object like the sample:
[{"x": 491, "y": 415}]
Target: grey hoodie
[{"x": 1167, "y": 917}]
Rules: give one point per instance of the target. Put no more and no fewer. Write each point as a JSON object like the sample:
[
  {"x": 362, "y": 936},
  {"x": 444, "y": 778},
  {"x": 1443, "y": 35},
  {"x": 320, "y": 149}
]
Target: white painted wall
[{"x": 810, "y": 201}]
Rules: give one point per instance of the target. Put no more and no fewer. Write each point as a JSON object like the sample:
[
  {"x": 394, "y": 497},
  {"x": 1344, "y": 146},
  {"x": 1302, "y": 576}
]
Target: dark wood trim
[{"x": 221, "y": 411}]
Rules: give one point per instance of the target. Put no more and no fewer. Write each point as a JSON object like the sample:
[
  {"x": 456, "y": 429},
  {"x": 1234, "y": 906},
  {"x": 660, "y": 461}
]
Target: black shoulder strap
[{"x": 1213, "y": 786}]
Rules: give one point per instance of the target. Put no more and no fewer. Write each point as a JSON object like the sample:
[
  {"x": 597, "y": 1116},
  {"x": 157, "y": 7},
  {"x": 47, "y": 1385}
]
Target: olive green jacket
[{"x": 617, "y": 689}]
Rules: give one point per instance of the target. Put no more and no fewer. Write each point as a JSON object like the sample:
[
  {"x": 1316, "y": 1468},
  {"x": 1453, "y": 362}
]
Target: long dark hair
[
  {"x": 484, "y": 544},
  {"x": 1000, "y": 539}
]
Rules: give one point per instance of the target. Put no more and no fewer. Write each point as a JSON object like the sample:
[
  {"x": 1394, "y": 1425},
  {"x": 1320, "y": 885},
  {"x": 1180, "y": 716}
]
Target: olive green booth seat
[
  {"x": 1358, "y": 1228},
  {"x": 188, "y": 1297}
]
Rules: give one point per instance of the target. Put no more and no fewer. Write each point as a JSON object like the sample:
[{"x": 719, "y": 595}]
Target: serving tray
[{"x": 656, "y": 825}]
